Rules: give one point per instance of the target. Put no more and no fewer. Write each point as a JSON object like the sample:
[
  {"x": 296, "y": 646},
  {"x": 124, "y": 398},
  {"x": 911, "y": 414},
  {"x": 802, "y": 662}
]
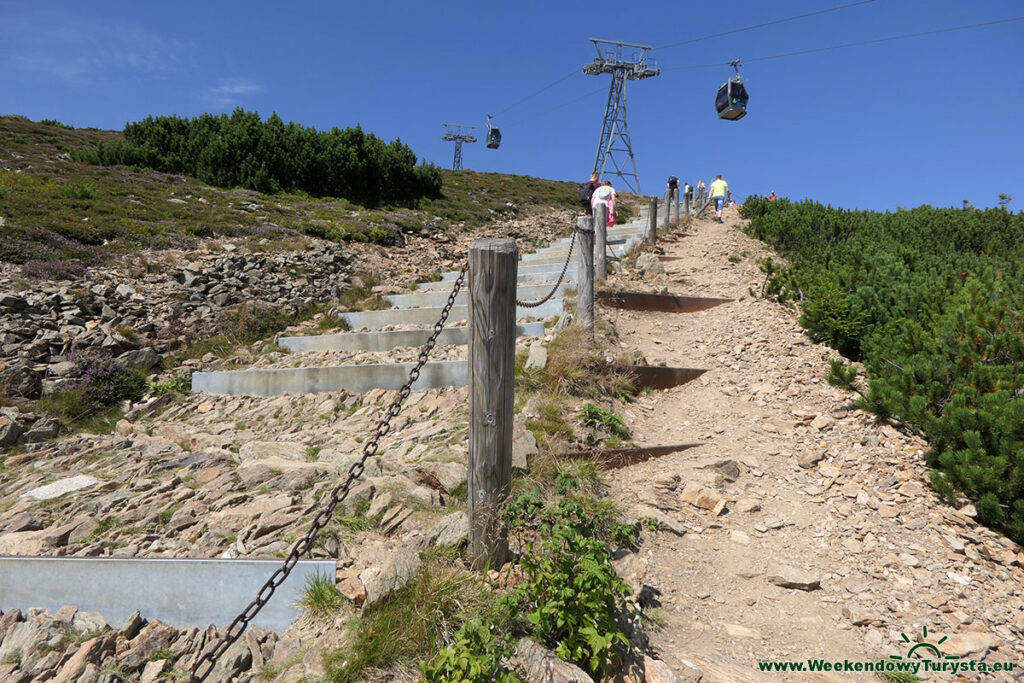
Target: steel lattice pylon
[
  {"x": 458, "y": 134},
  {"x": 615, "y": 145}
]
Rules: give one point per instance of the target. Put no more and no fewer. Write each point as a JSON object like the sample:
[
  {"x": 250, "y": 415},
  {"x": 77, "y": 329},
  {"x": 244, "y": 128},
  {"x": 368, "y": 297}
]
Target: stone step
[
  {"x": 179, "y": 592},
  {"x": 562, "y": 246},
  {"x": 421, "y": 299},
  {"x": 556, "y": 259},
  {"x": 384, "y": 341},
  {"x": 541, "y": 278},
  {"x": 353, "y": 378},
  {"x": 374, "y": 320}
]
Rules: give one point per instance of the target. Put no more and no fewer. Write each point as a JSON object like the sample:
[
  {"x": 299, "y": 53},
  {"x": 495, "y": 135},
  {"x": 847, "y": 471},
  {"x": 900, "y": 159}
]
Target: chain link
[
  {"x": 534, "y": 303},
  {"x": 208, "y": 660}
]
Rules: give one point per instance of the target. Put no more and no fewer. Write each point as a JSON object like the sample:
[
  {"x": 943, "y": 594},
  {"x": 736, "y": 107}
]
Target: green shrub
[
  {"x": 270, "y": 156},
  {"x": 76, "y": 190},
  {"x": 930, "y": 300}
]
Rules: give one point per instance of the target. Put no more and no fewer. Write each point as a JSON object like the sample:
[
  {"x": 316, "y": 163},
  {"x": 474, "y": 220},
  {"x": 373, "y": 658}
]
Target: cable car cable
[
  {"x": 534, "y": 94},
  {"x": 853, "y": 44},
  {"x": 762, "y": 25},
  {"x": 574, "y": 100}
]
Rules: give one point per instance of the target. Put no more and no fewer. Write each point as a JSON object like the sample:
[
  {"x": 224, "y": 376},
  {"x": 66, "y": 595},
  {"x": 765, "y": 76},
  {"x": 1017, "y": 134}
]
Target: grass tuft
[{"x": 321, "y": 597}]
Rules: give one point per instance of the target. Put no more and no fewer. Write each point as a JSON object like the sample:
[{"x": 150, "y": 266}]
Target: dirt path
[{"x": 890, "y": 557}]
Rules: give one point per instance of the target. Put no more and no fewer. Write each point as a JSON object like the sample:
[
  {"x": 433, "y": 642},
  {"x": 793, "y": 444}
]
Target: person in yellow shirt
[{"x": 719, "y": 194}]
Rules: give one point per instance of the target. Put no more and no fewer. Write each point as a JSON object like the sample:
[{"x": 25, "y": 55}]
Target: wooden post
[
  {"x": 673, "y": 207},
  {"x": 585, "y": 276},
  {"x": 668, "y": 198},
  {"x": 600, "y": 242},
  {"x": 493, "y": 265},
  {"x": 686, "y": 207},
  {"x": 652, "y": 222}
]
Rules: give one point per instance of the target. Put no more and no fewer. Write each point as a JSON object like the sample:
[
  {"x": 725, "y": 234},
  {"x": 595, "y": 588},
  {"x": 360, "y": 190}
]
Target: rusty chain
[
  {"x": 206, "y": 663},
  {"x": 528, "y": 303}
]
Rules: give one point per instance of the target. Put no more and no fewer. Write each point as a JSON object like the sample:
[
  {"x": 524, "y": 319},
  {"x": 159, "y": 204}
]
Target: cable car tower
[
  {"x": 458, "y": 134},
  {"x": 615, "y": 145}
]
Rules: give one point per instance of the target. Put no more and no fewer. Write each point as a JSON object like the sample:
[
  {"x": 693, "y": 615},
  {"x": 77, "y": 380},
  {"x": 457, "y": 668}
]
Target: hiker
[
  {"x": 702, "y": 192},
  {"x": 606, "y": 195},
  {"x": 688, "y": 193},
  {"x": 771, "y": 196},
  {"x": 719, "y": 194},
  {"x": 586, "y": 192},
  {"x": 673, "y": 183}
]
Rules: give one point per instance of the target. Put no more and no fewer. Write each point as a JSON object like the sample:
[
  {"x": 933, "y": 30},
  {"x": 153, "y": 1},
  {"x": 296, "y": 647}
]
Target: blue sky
[{"x": 926, "y": 120}]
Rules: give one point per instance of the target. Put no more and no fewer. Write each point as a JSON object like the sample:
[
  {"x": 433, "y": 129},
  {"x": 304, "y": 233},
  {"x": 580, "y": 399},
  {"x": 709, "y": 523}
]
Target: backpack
[
  {"x": 585, "y": 192},
  {"x": 673, "y": 182}
]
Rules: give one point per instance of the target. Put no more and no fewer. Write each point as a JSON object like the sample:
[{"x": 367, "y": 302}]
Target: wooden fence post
[
  {"x": 493, "y": 265},
  {"x": 600, "y": 242},
  {"x": 673, "y": 207},
  {"x": 585, "y": 274},
  {"x": 652, "y": 222},
  {"x": 686, "y": 206},
  {"x": 668, "y": 198}
]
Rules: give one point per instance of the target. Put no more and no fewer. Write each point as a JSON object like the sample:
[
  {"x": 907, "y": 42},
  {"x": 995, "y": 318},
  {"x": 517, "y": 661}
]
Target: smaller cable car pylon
[
  {"x": 731, "y": 102},
  {"x": 493, "y": 135}
]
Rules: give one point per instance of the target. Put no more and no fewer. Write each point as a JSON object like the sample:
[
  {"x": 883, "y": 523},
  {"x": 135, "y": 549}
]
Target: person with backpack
[
  {"x": 688, "y": 193},
  {"x": 673, "y": 183},
  {"x": 586, "y": 192}
]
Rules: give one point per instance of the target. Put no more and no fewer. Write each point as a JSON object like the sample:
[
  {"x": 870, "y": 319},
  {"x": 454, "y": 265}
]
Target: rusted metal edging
[
  {"x": 666, "y": 303},
  {"x": 616, "y": 458},
  {"x": 658, "y": 377}
]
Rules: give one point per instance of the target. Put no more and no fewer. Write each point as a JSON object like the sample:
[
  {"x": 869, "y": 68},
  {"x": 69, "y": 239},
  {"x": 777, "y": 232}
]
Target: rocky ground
[
  {"x": 801, "y": 528},
  {"x": 158, "y": 302}
]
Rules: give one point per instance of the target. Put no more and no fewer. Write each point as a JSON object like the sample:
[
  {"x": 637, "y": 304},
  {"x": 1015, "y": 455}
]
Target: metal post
[
  {"x": 585, "y": 275},
  {"x": 652, "y": 222},
  {"x": 600, "y": 241},
  {"x": 493, "y": 264}
]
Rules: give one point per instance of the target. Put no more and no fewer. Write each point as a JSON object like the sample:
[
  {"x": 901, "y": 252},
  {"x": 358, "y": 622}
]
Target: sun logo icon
[{"x": 931, "y": 650}]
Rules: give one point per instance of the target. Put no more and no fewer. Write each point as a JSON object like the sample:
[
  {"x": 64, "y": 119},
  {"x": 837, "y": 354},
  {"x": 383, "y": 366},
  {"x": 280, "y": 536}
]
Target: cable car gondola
[
  {"x": 731, "y": 102},
  {"x": 493, "y": 135}
]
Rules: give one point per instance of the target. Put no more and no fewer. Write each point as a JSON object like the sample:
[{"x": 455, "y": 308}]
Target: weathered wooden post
[
  {"x": 493, "y": 265},
  {"x": 585, "y": 276},
  {"x": 673, "y": 207},
  {"x": 652, "y": 222},
  {"x": 668, "y": 198},
  {"x": 600, "y": 242},
  {"x": 686, "y": 206}
]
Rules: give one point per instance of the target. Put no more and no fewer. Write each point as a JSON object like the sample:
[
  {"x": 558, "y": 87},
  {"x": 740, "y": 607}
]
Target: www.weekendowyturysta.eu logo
[
  {"x": 923, "y": 649},
  {"x": 924, "y": 655}
]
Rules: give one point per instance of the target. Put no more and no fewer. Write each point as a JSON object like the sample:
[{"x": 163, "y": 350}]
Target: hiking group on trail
[{"x": 593, "y": 192}]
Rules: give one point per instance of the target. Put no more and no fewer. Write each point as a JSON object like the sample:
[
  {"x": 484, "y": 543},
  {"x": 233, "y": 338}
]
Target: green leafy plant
[
  {"x": 474, "y": 655},
  {"x": 572, "y": 596},
  {"x": 179, "y": 384},
  {"x": 604, "y": 419}
]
